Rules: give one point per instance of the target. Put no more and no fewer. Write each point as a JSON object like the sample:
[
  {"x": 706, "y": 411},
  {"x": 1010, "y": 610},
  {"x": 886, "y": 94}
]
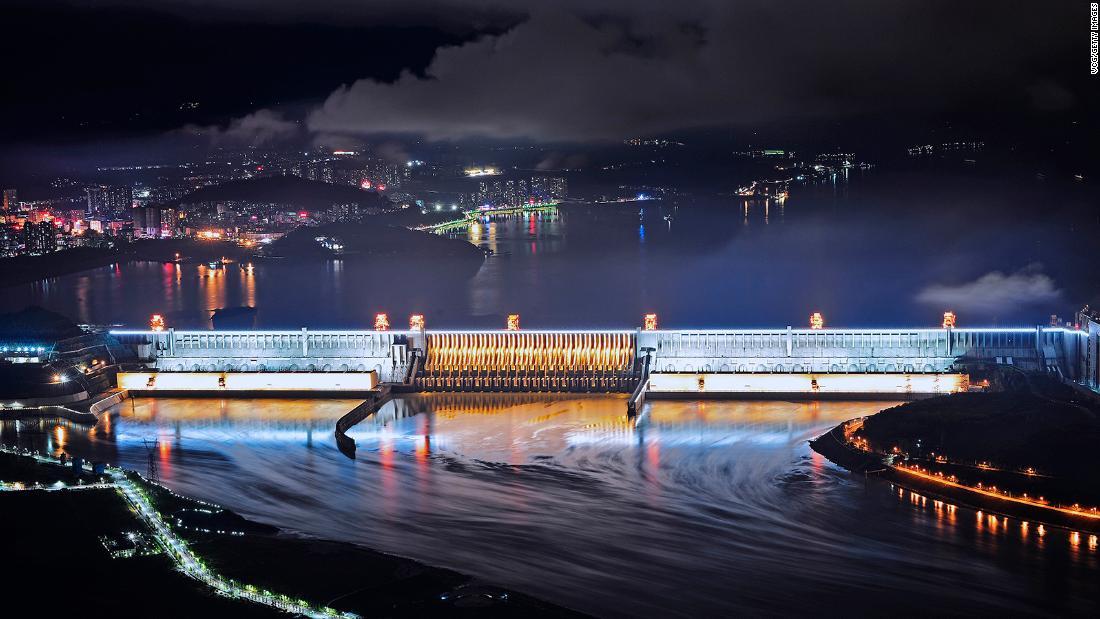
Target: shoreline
[
  {"x": 341, "y": 576},
  {"x": 835, "y": 448}
]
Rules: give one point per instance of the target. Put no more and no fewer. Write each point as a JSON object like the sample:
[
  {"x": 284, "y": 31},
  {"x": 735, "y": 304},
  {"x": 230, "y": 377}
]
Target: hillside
[
  {"x": 1039, "y": 423},
  {"x": 291, "y": 190}
]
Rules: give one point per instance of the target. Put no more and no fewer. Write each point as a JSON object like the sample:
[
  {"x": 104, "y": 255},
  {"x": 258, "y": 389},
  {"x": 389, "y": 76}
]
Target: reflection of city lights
[
  {"x": 416, "y": 322},
  {"x": 513, "y": 322},
  {"x": 156, "y": 322},
  {"x": 651, "y": 322},
  {"x": 381, "y": 322},
  {"x": 817, "y": 321},
  {"x": 949, "y": 320}
]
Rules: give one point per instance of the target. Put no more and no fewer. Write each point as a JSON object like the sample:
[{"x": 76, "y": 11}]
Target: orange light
[
  {"x": 949, "y": 320},
  {"x": 513, "y": 322},
  {"x": 650, "y": 322},
  {"x": 416, "y": 322},
  {"x": 381, "y": 322},
  {"x": 156, "y": 322},
  {"x": 817, "y": 321}
]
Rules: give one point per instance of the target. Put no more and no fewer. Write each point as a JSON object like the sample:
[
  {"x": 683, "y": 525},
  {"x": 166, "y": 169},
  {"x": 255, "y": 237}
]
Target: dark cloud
[
  {"x": 564, "y": 70},
  {"x": 602, "y": 73}
]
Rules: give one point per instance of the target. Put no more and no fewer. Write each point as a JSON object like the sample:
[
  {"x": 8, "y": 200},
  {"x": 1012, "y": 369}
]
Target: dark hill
[
  {"x": 36, "y": 323},
  {"x": 291, "y": 190},
  {"x": 1040, "y": 423}
]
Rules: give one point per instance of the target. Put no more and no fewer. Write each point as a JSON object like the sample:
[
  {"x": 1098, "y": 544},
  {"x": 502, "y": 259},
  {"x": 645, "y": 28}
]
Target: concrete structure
[
  {"x": 278, "y": 383},
  {"x": 612, "y": 360},
  {"x": 1090, "y": 356}
]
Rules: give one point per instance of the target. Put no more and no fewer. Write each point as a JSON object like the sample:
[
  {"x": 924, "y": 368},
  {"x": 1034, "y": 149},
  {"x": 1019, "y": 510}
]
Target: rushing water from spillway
[{"x": 710, "y": 508}]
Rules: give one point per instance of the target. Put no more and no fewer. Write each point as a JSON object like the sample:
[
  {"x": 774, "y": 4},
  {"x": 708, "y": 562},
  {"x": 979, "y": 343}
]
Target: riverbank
[
  {"x": 330, "y": 574},
  {"x": 27, "y": 269},
  {"x": 1023, "y": 451}
]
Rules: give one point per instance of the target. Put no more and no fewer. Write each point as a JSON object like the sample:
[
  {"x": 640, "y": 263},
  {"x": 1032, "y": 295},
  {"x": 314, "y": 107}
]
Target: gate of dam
[{"x": 914, "y": 360}]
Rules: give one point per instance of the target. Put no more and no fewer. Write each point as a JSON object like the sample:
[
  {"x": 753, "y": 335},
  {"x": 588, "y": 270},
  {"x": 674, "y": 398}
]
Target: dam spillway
[{"x": 604, "y": 360}]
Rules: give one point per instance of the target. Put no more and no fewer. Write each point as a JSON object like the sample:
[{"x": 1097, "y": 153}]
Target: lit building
[
  {"x": 514, "y": 192},
  {"x": 10, "y": 200},
  {"x": 109, "y": 200},
  {"x": 39, "y": 238}
]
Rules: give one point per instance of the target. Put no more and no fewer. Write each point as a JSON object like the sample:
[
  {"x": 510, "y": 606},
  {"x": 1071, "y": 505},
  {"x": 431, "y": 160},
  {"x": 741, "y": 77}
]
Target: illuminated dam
[{"x": 667, "y": 361}]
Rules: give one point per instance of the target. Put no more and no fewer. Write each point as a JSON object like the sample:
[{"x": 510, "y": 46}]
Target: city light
[
  {"x": 513, "y": 322},
  {"x": 381, "y": 322},
  {"x": 949, "y": 320},
  {"x": 416, "y": 322},
  {"x": 817, "y": 321},
  {"x": 650, "y": 322},
  {"x": 484, "y": 171},
  {"x": 156, "y": 322}
]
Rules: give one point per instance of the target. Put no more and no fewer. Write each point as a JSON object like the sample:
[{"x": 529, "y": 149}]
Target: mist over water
[{"x": 710, "y": 508}]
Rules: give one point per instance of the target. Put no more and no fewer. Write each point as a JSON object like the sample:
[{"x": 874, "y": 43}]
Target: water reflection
[{"x": 709, "y": 508}]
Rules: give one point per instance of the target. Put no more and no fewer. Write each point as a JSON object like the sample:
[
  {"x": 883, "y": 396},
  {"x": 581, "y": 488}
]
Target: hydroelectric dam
[{"x": 644, "y": 362}]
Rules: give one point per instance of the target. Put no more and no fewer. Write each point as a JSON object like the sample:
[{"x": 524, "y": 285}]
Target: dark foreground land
[
  {"x": 58, "y": 564},
  {"x": 1031, "y": 436}
]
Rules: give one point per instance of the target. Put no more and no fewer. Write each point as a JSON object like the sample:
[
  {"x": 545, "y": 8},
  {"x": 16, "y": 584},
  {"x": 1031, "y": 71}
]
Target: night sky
[{"x": 246, "y": 72}]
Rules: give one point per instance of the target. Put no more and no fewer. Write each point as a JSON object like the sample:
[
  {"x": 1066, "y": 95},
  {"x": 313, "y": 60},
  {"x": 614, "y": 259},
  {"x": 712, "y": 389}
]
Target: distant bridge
[
  {"x": 614, "y": 360},
  {"x": 472, "y": 216}
]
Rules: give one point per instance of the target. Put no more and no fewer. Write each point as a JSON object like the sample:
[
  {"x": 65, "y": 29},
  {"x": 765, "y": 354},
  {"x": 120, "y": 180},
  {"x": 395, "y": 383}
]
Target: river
[
  {"x": 861, "y": 251},
  {"x": 710, "y": 508}
]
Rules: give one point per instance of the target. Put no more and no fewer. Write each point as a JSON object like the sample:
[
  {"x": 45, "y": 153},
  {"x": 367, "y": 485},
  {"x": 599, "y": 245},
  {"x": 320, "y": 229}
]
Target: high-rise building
[
  {"x": 39, "y": 238},
  {"x": 10, "y": 200},
  {"x": 108, "y": 200},
  {"x": 154, "y": 221}
]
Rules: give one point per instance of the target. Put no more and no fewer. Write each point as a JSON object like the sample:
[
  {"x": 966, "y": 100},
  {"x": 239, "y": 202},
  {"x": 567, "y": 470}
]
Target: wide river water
[
  {"x": 886, "y": 248},
  {"x": 709, "y": 508}
]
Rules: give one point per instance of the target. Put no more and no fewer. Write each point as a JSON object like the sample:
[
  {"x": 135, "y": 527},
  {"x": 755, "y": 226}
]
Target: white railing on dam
[
  {"x": 786, "y": 350},
  {"x": 859, "y": 350}
]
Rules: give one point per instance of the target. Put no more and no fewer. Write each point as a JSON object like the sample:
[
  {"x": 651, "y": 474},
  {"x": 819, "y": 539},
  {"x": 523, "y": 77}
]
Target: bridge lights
[
  {"x": 381, "y": 322},
  {"x": 817, "y": 321},
  {"x": 650, "y": 323},
  {"x": 156, "y": 322},
  {"x": 949, "y": 320},
  {"x": 513, "y": 322},
  {"x": 416, "y": 322}
]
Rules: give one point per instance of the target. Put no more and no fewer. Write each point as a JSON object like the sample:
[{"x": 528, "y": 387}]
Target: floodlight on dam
[
  {"x": 949, "y": 320},
  {"x": 381, "y": 322},
  {"x": 817, "y": 321},
  {"x": 156, "y": 322},
  {"x": 416, "y": 322},
  {"x": 650, "y": 322},
  {"x": 513, "y": 322}
]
